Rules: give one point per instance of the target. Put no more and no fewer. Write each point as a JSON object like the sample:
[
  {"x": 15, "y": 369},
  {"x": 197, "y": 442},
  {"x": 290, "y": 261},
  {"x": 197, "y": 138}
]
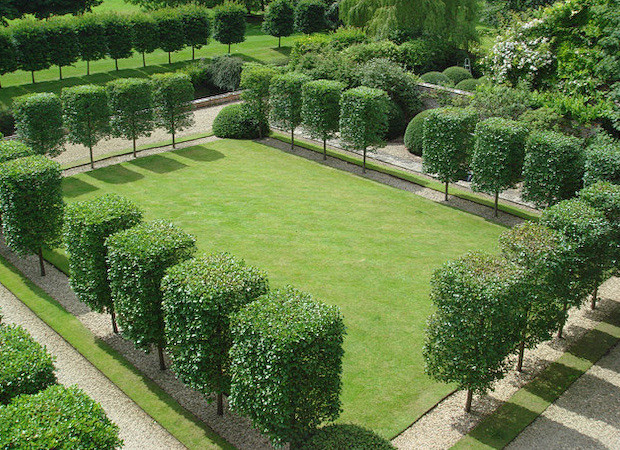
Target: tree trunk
[
  {"x": 174, "y": 144},
  {"x": 364, "y": 162},
  {"x": 292, "y": 138},
  {"x": 113, "y": 317},
  {"x": 520, "y": 360},
  {"x": 193, "y": 53},
  {"x": 143, "y": 60},
  {"x": 41, "y": 262},
  {"x": 229, "y": 49},
  {"x": 468, "y": 400},
  {"x": 169, "y": 58},
  {"x": 220, "y": 404},
  {"x": 116, "y": 64},
  {"x": 60, "y": 72},
  {"x": 135, "y": 155},
  {"x": 324, "y": 149},
  {"x": 594, "y": 296},
  {"x": 32, "y": 73},
  {"x": 563, "y": 320},
  {"x": 92, "y": 160},
  {"x": 279, "y": 41},
  {"x": 446, "y": 193},
  {"x": 496, "y": 203},
  {"x": 162, "y": 363},
  {"x": 87, "y": 67}
]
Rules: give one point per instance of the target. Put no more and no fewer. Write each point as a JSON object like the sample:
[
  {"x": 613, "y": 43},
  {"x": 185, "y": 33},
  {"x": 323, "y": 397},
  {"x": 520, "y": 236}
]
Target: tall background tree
[
  {"x": 64, "y": 48},
  {"x": 91, "y": 33},
  {"x": 229, "y": 24},
  {"x": 38, "y": 122},
  {"x": 145, "y": 35},
  {"x": 196, "y": 26},
  {"x": 320, "y": 111},
  {"x": 172, "y": 101},
  {"x": 30, "y": 39},
  {"x": 279, "y": 19}
]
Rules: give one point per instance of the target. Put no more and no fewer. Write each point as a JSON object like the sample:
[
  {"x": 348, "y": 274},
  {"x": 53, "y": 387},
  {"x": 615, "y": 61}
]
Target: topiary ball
[
  {"x": 238, "y": 122},
  {"x": 413, "y": 134},
  {"x": 457, "y": 74},
  {"x": 468, "y": 85},
  {"x": 346, "y": 437},
  {"x": 437, "y": 78}
]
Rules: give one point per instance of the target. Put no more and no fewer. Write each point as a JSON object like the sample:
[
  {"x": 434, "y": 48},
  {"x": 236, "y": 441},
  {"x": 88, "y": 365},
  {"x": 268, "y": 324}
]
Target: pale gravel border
[
  {"x": 136, "y": 428},
  {"x": 447, "y": 423}
]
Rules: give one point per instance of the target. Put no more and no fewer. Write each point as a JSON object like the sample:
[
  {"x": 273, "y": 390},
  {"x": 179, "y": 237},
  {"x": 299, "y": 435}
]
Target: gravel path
[{"x": 137, "y": 429}]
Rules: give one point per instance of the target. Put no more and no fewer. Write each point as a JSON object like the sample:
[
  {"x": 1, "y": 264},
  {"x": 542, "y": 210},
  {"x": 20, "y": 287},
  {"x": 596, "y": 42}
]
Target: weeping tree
[
  {"x": 86, "y": 115},
  {"x": 92, "y": 39},
  {"x": 145, "y": 35},
  {"x": 285, "y": 101},
  {"x": 279, "y": 19},
  {"x": 64, "y": 48},
  {"x": 320, "y": 111},
  {"x": 87, "y": 225},
  {"x": 172, "y": 99}
]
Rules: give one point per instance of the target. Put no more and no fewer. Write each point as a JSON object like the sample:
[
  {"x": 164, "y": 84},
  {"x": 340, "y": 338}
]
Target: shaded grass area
[
  {"x": 257, "y": 47},
  {"x": 417, "y": 179},
  {"x": 184, "y": 426},
  {"x": 505, "y": 424},
  {"x": 364, "y": 246}
]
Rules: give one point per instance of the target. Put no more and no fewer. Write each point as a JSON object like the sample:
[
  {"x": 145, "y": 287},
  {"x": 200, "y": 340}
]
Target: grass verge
[
  {"x": 153, "y": 400},
  {"x": 417, "y": 179},
  {"x": 510, "y": 419}
]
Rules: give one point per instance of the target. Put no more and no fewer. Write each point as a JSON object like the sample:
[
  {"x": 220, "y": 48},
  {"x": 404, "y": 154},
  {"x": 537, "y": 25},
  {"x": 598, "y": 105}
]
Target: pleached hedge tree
[
  {"x": 64, "y": 47},
  {"x": 292, "y": 384},
  {"x": 32, "y": 205},
  {"x": 13, "y": 149},
  {"x": 32, "y": 46},
  {"x": 137, "y": 260},
  {"x": 87, "y": 226},
  {"x": 200, "y": 295},
  {"x": 196, "y": 27},
  {"x": 255, "y": 82},
  {"x": 279, "y": 19},
  {"x": 86, "y": 115},
  {"x": 172, "y": 100},
  {"x": 229, "y": 23},
  {"x": 8, "y": 53},
  {"x": 285, "y": 101},
  {"x": 145, "y": 35},
  {"x": 38, "y": 122},
  {"x": 170, "y": 30},
  {"x": 91, "y": 33},
  {"x": 119, "y": 36}
]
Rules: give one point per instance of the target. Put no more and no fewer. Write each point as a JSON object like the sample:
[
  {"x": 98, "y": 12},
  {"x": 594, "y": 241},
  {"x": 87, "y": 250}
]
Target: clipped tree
[
  {"x": 539, "y": 253},
  {"x": 86, "y": 115},
  {"x": 363, "y": 119},
  {"x": 30, "y": 37},
  {"x": 137, "y": 260},
  {"x": 58, "y": 417},
  {"x": 447, "y": 139},
  {"x": 8, "y": 53},
  {"x": 171, "y": 32},
  {"x": 131, "y": 107},
  {"x": 497, "y": 159},
  {"x": 310, "y": 16},
  {"x": 26, "y": 368},
  {"x": 255, "y": 82},
  {"x": 293, "y": 385},
  {"x": 119, "y": 36},
  {"x": 346, "y": 437},
  {"x": 172, "y": 100},
  {"x": 145, "y": 34},
  {"x": 229, "y": 24},
  {"x": 553, "y": 167},
  {"x": 38, "y": 122},
  {"x": 87, "y": 225},
  {"x": 196, "y": 26},
  {"x": 475, "y": 325},
  {"x": 320, "y": 110},
  {"x": 200, "y": 295},
  {"x": 62, "y": 39},
  {"x": 588, "y": 235},
  {"x": 31, "y": 204},
  {"x": 14, "y": 149},
  {"x": 279, "y": 19},
  {"x": 91, "y": 32},
  {"x": 285, "y": 101},
  {"x": 602, "y": 160}
]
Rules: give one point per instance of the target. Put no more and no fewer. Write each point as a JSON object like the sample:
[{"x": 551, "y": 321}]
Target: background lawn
[{"x": 366, "y": 247}]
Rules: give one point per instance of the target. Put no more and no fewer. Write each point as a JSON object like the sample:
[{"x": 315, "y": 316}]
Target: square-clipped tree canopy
[
  {"x": 14, "y": 149},
  {"x": 285, "y": 99},
  {"x": 286, "y": 364},
  {"x": 57, "y": 418},
  {"x": 31, "y": 203},
  {"x": 200, "y": 295},
  {"x": 25, "y": 365},
  {"x": 320, "y": 110},
  {"x": 138, "y": 258},
  {"x": 602, "y": 160},
  {"x": 363, "y": 117},
  {"x": 87, "y": 225},
  {"x": 38, "y": 122}
]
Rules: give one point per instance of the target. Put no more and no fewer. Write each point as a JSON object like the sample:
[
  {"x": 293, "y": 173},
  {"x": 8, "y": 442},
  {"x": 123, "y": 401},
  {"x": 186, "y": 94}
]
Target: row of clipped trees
[
  {"x": 127, "y": 107},
  {"x": 490, "y": 307},
  {"x": 276, "y": 354},
  {"x": 34, "y": 45},
  {"x": 36, "y": 411}
]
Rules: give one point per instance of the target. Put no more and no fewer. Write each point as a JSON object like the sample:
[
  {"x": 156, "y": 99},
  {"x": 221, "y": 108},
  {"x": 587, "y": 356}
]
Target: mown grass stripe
[{"x": 179, "y": 422}]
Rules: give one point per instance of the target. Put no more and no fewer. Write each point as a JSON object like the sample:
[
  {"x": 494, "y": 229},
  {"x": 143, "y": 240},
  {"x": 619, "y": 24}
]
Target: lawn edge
[
  {"x": 153, "y": 400},
  {"x": 508, "y": 421},
  {"x": 417, "y": 179}
]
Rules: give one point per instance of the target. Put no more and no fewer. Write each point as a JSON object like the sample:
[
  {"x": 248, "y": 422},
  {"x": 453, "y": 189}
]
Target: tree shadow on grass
[
  {"x": 74, "y": 187},
  {"x": 115, "y": 175},
  {"x": 158, "y": 164},
  {"x": 200, "y": 153}
]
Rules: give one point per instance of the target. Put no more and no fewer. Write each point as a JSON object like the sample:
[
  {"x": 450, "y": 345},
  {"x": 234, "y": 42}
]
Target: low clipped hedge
[
  {"x": 14, "y": 149},
  {"x": 457, "y": 74},
  {"x": 25, "y": 365},
  {"x": 468, "y": 85},
  {"x": 57, "y": 418},
  {"x": 414, "y": 133},
  {"x": 238, "y": 122},
  {"x": 346, "y": 437},
  {"x": 437, "y": 78}
]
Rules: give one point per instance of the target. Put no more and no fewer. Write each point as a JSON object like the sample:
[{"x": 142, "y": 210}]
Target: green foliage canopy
[
  {"x": 172, "y": 99},
  {"x": 38, "y": 122}
]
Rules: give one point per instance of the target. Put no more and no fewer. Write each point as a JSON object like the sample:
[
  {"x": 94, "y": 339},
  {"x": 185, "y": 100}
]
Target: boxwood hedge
[{"x": 457, "y": 74}]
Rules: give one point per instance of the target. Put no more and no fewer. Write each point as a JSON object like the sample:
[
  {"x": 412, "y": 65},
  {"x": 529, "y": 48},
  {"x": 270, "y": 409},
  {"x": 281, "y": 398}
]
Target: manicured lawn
[
  {"x": 366, "y": 247},
  {"x": 257, "y": 47}
]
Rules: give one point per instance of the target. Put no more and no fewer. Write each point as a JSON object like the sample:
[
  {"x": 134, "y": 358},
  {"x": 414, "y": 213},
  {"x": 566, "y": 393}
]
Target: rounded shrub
[
  {"x": 25, "y": 365},
  {"x": 469, "y": 84},
  {"x": 437, "y": 78},
  {"x": 346, "y": 437},
  {"x": 413, "y": 134},
  {"x": 14, "y": 149},
  {"x": 457, "y": 74},
  {"x": 238, "y": 122}
]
